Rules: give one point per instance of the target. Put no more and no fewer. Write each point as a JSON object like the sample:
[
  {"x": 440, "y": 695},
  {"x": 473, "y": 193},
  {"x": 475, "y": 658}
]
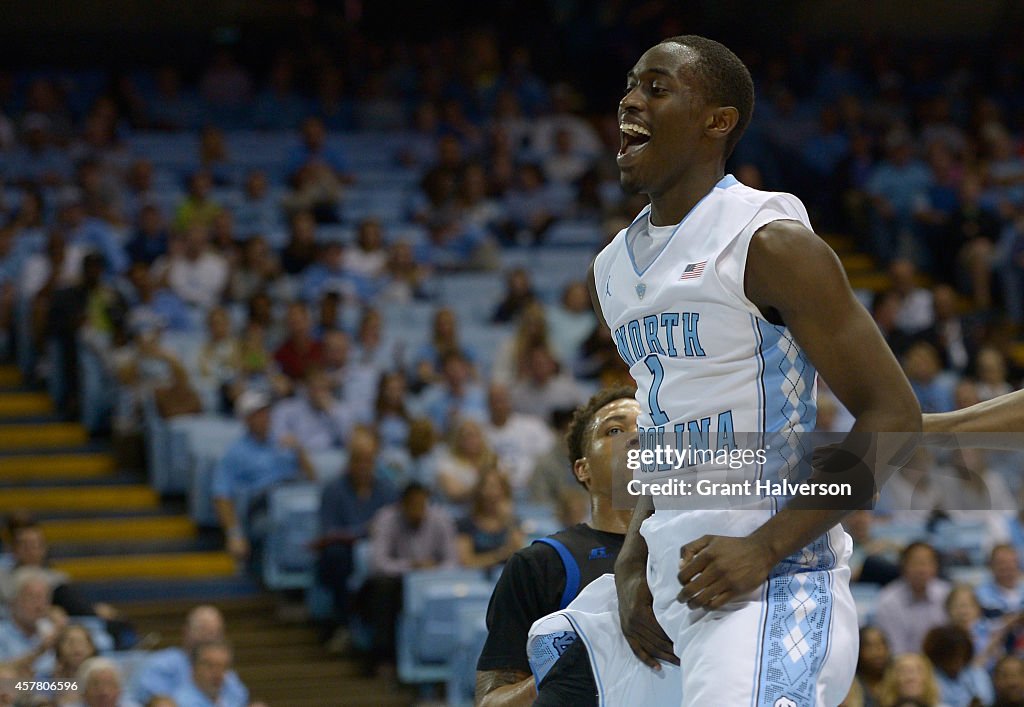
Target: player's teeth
[{"x": 634, "y": 130}]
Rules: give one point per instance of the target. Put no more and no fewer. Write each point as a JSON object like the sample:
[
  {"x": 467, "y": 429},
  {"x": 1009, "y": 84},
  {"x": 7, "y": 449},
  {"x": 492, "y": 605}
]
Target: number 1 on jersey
[{"x": 653, "y": 364}]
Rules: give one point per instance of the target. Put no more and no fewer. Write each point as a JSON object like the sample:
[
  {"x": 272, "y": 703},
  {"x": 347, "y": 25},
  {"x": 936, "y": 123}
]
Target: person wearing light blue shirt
[
  {"x": 207, "y": 684},
  {"x": 314, "y": 417},
  {"x": 455, "y": 396},
  {"x": 898, "y": 186},
  {"x": 331, "y": 275},
  {"x": 92, "y": 232},
  {"x": 1003, "y": 593},
  {"x": 251, "y": 466},
  {"x": 167, "y": 670}
]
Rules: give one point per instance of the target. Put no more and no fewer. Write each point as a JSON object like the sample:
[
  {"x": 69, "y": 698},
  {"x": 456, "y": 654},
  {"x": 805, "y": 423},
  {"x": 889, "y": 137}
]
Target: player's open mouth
[{"x": 633, "y": 137}]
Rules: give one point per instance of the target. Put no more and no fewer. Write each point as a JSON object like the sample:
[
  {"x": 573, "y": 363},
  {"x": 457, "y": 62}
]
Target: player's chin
[{"x": 631, "y": 181}]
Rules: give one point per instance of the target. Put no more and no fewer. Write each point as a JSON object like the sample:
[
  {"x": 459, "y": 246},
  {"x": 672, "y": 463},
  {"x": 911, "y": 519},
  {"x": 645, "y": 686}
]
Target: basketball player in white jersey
[{"x": 724, "y": 304}]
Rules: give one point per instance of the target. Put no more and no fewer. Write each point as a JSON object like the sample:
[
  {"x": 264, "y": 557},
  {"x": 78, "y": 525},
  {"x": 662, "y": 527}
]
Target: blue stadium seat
[
  {"x": 473, "y": 296},
  {"x": 963, "y": 540},
  {"x": 335, "y": 232},
  {"x": 328, "y": 464},
  {"x": 975, "y": 575},
  {"x": 575, "y": 233},
  {"x": 427, "y": 626},
  {"x": 898, "y": 533},
  {"x": 537, "y": 520},
  {"x": 471, "y": 634},
  {"x": 865, "y": 596},
  {"x": 553, "y": 268},
  {"x": 293, "y": 512}
]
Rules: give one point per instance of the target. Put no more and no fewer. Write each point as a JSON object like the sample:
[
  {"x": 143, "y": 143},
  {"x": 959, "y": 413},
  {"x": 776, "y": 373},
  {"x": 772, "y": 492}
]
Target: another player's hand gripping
[
  {"x": 715, "y": 570},
  {"x": 640, "y": 628}
]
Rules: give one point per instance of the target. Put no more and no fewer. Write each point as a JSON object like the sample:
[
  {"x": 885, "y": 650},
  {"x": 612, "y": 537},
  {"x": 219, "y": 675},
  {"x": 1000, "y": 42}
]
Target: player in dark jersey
[{"x": 547, "y": 575}]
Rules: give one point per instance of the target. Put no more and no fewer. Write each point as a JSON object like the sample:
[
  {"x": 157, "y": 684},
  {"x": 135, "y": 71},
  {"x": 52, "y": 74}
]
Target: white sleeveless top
[{"x": 711, "y": 372}]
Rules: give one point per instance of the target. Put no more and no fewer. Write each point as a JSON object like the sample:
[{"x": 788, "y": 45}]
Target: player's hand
[
  {"x": 717, "y": 569},
  {"x": 640, "y": 627}
]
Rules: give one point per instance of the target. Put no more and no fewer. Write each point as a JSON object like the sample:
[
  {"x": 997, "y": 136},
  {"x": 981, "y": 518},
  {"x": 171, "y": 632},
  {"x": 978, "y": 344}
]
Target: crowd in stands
[
  {"x": 331, "y": 256},
  {"x": 77, "y": 663}
]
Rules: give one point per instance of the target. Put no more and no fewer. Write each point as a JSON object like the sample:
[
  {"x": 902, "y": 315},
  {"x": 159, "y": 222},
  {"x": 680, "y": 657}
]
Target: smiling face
[{"x": 662, "y": 120}]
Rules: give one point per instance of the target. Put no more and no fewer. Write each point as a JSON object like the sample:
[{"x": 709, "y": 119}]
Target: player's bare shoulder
[{"x": 788, "y": 262}]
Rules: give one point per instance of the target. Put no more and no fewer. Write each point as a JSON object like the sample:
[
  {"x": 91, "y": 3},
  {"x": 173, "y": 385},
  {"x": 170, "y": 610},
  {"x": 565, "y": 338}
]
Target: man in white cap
[{"x": 249, "y": 469}]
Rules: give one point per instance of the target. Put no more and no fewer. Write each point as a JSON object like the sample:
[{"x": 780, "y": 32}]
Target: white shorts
[
  {"x": 793, "y": 642},
  {"x": 593, "y": 617}
]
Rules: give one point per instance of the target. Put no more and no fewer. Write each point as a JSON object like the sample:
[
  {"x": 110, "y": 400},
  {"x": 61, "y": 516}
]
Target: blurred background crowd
[{"x": 356, "y": 257}]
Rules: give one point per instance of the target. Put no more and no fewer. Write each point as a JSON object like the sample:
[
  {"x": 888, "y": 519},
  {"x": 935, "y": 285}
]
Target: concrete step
[
  {"x": 24, "y": 403},
  {"x": 42, "y": 435},
  {"x": 78, "y": 499},
  {"x": 158, "y": 566},
  {"x": 10, "y": 377},
  {"x": 121, "y": 530},
  {"x": 56, "y": 467}
]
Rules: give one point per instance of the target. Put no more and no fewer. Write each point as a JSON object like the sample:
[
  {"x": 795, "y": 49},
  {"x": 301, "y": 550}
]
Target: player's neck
[
  {"x": 672, "y": 205},
  {"x": 606, "y": 518}
]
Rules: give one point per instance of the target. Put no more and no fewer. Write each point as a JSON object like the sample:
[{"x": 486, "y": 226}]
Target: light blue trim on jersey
[
  {"x": 759, "y": 650},
  {"x": 723, "y": 183},
  {"x": 726, "y": 182},
  {"x": 785, "y": 368},
  {"x": 759, "y": 384},
  {"x": 795, "y": 647}
]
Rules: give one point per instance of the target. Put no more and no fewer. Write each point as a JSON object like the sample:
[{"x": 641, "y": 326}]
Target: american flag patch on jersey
[{"x": 693, "y": 270}]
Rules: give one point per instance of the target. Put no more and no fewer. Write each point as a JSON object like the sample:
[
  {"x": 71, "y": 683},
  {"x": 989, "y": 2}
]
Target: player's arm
[
  {"x": 994, "y": 424},
  {"x": 794, "y": 274},
  {"x": 504, "y": 688},
  {"x": 640, "y": 628},
  {"x": 525, "y": 592}
]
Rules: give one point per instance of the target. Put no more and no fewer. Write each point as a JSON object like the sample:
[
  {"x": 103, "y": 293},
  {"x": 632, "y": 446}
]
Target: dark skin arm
[
  {"x": 993, "y": 424},
  {"x": 504, "y": 688},
  {"x": 640, "y": 628},
  {"x": 793, "y": 276},
  {"x": 636, "y": 612}
]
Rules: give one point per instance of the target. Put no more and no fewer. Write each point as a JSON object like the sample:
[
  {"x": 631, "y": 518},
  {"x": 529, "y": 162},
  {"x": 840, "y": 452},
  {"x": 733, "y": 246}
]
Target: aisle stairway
[
  {"x": 106, "y": 527},
  {"x": 280, "y": 661},
  {"x": 123, "y": 544}
]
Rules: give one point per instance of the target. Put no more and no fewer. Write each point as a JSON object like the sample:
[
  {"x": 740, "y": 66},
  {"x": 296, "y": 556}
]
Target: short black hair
[
  {"x": 577, "y": 437},
  {"x": 916, "y": 545},
  {"x": 944, "y": 642},
  {"x": 412, "y": 488},
  {"x": 724, "y": 78}
]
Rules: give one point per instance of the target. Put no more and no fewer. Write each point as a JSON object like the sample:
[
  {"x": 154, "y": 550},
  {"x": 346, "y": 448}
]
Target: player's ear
[
  {"x": 721, "y": 121},
  {"x": 581, "y": 470}
]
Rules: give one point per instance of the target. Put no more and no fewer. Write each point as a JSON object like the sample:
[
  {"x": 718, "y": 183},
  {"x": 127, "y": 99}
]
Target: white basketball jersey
[{"x": 711, "y": 371}]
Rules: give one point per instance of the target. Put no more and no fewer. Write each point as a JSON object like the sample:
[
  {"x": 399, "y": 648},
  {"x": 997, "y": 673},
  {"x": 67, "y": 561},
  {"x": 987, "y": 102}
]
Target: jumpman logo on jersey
[{"x": 608, "y": 286}]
